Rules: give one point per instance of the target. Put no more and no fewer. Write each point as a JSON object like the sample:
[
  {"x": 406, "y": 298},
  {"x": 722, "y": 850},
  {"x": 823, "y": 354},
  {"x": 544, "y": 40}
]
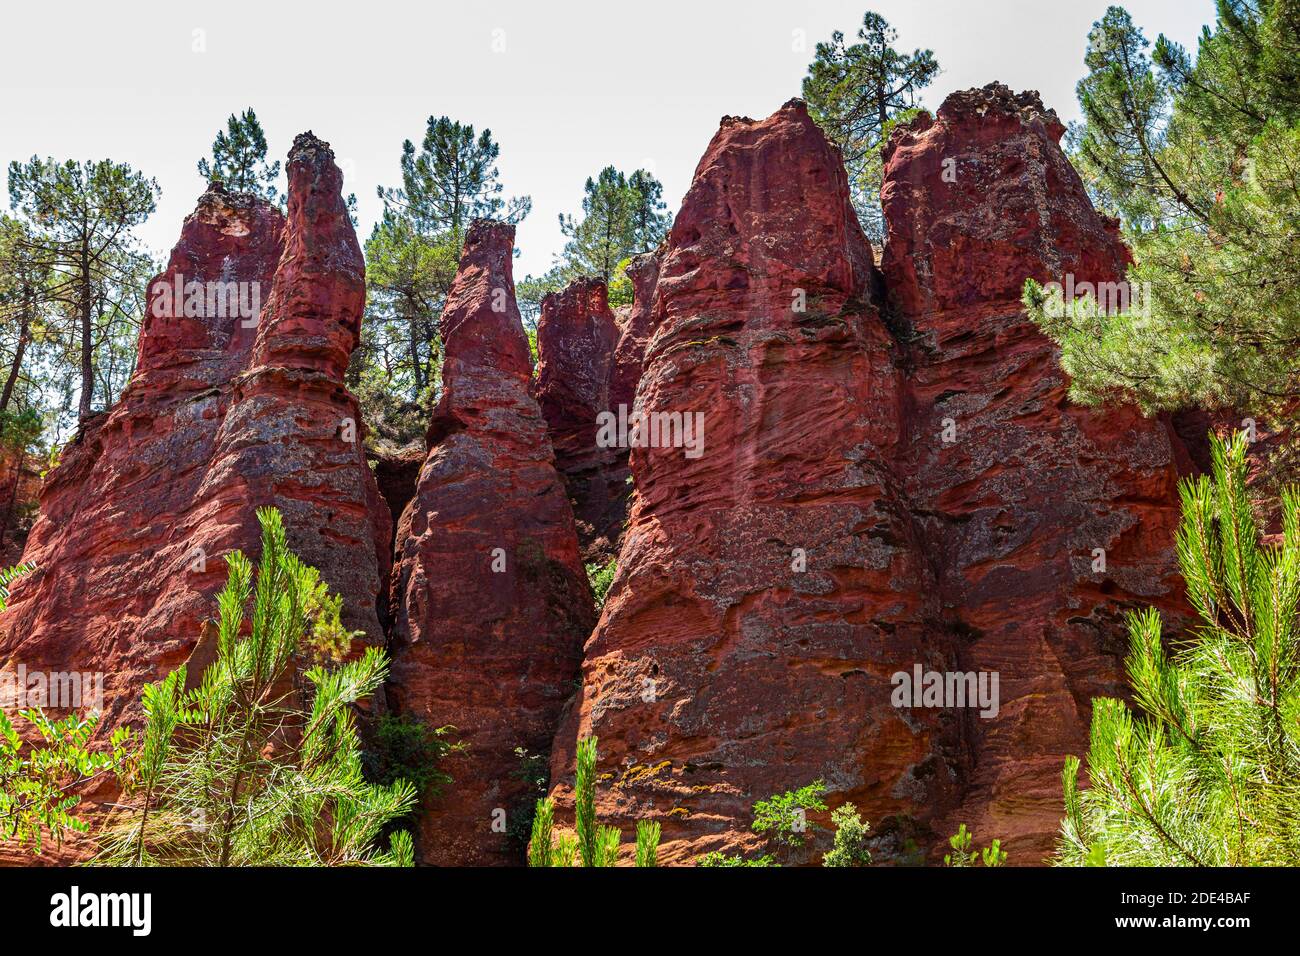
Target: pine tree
[
  {"x": 647, "y": 843},
  {"x": 594, "y": 844},
  {"x": 411, "y": 259},
  {"x": 1197, "y": 156},
  {"x": 395, "y": 370},
  {"x": 855, "y": 93},
  {"x": 1204, "y": 768},
  {"x": 650, "y": 217},
  {"x": 259, "y": 765},
  {"x": 239, "y": 159},
  {"x": 79, "y": 219},
  {"x": 963, "y": 856},
  {"x": 621, "y": 216},
  {"x": 25, "y": 298},
  {"x": 451, "y": 181}
]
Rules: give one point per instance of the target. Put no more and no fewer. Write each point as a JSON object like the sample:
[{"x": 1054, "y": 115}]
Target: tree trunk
[
  {"x": 19, "y": 349},
  {"x": 412, "y": 318},
  {"x": 87, "y": 342}
]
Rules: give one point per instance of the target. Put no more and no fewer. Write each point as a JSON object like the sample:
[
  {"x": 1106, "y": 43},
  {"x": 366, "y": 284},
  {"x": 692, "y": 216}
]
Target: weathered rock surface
[
  {"x": 396, "y": 474},
  {"x": 636, "y": 329},
  {"x": 830, "y": 534},
  {"x": 720, "y": 672},
  {"x": 1017, "y": 506},
  {"x": 576, "y": 339},
  {"x": 225, "y": 413},
  {"x": 20, "y": 487},
  {"x": 490, "y": 597}
]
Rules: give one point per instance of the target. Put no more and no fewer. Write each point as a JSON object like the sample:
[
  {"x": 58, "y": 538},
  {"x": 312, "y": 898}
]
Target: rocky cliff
[
  {"x": 490, "y": 598},
  {"x": 890, "y": 477},
  {"x": 1044, "y": 521},
  {"x": 843, "y": 475},
  {"x": 577, "y": 335},
  {"x": 237, "y": 402}
]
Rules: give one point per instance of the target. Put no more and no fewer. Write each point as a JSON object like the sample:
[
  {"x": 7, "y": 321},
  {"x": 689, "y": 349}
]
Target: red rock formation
[
  {"x": 1016, "y": 505},
  {"x": 576, "y": 339},
  {"x": 720, "y": 672},
  {"x": 636, "y": 329},
  {"x": 490, "y": 596},
  {"x": 768, "y": 587},
  {"x": 982, "y": 198},
  {"x": 20, "y": 487},
  {"x": 227, "y": 411},
  {"x": 396, "y": 474}
]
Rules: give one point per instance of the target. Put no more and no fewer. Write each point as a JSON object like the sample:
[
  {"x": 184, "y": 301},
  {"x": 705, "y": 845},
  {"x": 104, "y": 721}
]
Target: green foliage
[
  {"x": 407, "y": 748},
  {"x": 37, "y": 779},
  {"x": 607, "y": 846},
  {"x": 853, "y": 92},
  {"x": 620, "y": 289},
  {"x": 411, "y": 260},
  {"x": 621, "y": 216},
  {"x": 594, "y": 844},
  {"x": 260, "y": 764},
  {"x": 28, "y": 313},
  {"x": 784, "y": 816},
  {"x": 534, "y": 769},
  {"x": 239, "y": 159},
  {"x": 851, "y": 834},
  {"x": 450, "y": 181},
  {"x": 647, "y": 843},
  {"x": 77, "y": 222},
  {"x": 600, "y": 577},
  {"x": 1197, "y": 155},
  {"x": 529, "y": 293},
  {"x": 9, "y": 575},
  {"x": 565, "y": 850},
  {"x": 396, "y": 368},
  {"x": 584, "y": 803},
  {"x": 1207, "y": 773},
  {"x": 540, "y": 845},
  {"x": 963, "y": 856},
  {"x": 721, "y": 859}
]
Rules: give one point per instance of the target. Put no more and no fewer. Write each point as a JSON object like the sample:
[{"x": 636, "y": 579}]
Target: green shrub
[
  {"x": 851, "y": 832},
  {"x": 784, "y": 816},
  {"x": 594, "y": 844},
  {"x": 601, "y": 577},
  {"x": 219, "y": 782},
  {"x": 962, "y": 855},
  {"x": 406, "y": 748},
  {"x": 721, "y": 859}
]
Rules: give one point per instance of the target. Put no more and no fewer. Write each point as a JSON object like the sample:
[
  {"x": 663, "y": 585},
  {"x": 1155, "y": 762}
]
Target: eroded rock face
[
  {"x": 229, "y": 410},
  {"x": 576, "y": 339},
  {"x": 981, "y": 194},
  {"x": 490, "y": 596},
  {"x": 1045, "y": 521},
  {"x": 636, "y": 329},
  {"x": 767, "y": 585},
  {"x": 867, "y": 502}
]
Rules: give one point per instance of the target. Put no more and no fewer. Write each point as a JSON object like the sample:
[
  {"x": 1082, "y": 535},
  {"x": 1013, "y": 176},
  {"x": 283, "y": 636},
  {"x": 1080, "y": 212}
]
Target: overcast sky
[{"x": 565, "y": 87}]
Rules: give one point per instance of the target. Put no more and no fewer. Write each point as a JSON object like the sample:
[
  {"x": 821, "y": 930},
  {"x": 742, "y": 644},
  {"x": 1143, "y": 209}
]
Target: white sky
[{"x": 571, "y": 86}]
